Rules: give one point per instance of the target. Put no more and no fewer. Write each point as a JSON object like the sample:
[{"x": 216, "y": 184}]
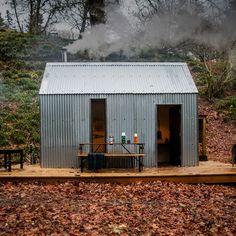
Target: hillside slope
[{"x": 220, "y": 135}]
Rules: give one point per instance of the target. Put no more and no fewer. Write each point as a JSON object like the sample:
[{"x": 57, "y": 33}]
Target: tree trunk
[
  {"x": 31, "y": 17},
  {"x": 84, "y": 19},
  {"x": 16, "y": 15},
  {"x": 38, "y": 18},
  {"x": 35, "y": 17}
]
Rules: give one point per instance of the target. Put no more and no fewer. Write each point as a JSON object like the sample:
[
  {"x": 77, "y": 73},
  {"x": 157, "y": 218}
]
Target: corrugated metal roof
[{"x": 117, "y": 78}]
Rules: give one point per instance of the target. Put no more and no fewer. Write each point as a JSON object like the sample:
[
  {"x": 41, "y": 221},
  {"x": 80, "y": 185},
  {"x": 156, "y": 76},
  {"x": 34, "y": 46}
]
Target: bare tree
[
  {"x": 15, "y": 6},
  {"x": 35, "y": 15},
  {"x": 80, "y": 14},
  {"x": 76, "y": 14}
]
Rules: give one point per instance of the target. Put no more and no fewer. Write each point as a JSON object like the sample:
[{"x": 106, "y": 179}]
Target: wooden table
[
  {"x": 138, "y": 156},
  {"x": 8, "y": 157}
]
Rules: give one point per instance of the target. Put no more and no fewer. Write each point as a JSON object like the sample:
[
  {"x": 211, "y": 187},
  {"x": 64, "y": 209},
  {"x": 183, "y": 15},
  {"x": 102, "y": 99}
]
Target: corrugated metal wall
[{"x": 65, "y": 122}]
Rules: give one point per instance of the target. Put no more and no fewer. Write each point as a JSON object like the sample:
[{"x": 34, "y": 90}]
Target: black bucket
[{"x": 95, "y": 161}]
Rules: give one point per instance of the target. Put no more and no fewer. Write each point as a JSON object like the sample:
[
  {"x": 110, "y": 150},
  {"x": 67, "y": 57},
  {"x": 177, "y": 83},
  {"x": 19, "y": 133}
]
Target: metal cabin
[{"x": 87, "y": 102}]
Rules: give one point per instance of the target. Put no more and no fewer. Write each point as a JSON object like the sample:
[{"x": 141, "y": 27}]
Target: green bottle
[{"x": 123, "y": 138}]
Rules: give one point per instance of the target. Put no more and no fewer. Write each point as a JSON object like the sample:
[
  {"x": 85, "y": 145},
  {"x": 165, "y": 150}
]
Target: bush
[
  {"x": 35, "y": 136},
  {"x": 19, "y": 119},
  {"x": 214, "y": 77},
  {"x": 3, "y": 139},
  {"x": 18, "y": 137},
  {"x": 227, "y": 107},
  {"x": 8, "y": 74},
  {"x": 21, "y": 72},
  {"x": 23, "y": 75},
  {"x": 13, "y": 44},
  {"x": 28, "y": 84}
]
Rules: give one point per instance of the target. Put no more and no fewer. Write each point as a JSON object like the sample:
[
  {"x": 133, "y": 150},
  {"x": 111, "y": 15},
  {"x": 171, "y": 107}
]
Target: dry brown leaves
[
  {"x": 220, "y": 135},
  {"x": 156, "y": 208}
]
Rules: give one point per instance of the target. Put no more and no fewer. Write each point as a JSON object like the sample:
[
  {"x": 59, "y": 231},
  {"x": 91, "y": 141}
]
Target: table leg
[
  {"x": 9, "y": 162},
  {"x": 21, "y": 159},
  {"x": 94, "y": 162},
  {"x": 82, "y": 165},
  {"x": 5, "y": 161},
  {"x": 139, "y": 164}
]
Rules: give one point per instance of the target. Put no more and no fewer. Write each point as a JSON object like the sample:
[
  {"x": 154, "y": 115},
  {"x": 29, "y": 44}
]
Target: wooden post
[{"x": 202, "y": 137}]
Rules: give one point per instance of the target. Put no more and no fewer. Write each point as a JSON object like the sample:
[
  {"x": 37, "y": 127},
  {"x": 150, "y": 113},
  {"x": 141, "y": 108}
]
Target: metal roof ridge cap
[
  {"x": 117, "y": 93},
  {"x": 116, "y": 63}
]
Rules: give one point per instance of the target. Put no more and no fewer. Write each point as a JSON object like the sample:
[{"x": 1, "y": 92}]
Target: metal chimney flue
[{"x": 64, "y": 54}]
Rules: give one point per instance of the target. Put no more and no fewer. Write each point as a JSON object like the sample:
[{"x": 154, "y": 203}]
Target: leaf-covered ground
[
  {"x": 156, "y": 208},
  {"x": 220, "y": 135}
]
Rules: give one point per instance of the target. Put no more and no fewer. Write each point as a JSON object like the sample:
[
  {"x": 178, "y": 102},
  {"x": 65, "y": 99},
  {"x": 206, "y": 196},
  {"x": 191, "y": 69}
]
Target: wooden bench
[
  {"x": 7, "y": 155},
  {"x": 139, "y": 157}
]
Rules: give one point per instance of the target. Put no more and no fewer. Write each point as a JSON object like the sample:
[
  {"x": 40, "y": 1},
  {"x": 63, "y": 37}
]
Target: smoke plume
[{"x": 127, "y": 34}]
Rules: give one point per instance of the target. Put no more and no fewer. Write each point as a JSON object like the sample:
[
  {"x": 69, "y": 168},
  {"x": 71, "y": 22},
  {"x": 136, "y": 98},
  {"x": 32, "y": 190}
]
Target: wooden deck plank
[{"x": 206, "y": 172}]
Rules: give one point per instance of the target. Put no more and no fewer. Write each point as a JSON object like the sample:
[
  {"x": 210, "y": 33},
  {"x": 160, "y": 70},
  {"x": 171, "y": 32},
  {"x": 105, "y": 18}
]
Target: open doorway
[
  {"x": 168, "y": 136},
  {"x": 98, "y": 125}
]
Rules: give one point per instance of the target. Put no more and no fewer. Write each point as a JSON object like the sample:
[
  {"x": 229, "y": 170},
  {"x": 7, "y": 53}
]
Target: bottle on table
[
  {"x": 123, "y": 137},
  {"x": 135, "y": 138},
  {"x": 111, "y": 139}
]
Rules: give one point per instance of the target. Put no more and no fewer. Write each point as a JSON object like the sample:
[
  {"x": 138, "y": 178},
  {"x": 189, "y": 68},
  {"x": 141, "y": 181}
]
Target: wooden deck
[{"x": 207, "y": 172}]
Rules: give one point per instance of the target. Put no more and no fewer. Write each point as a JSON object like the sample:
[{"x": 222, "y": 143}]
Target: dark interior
[{"x": 168, "y": 135}]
